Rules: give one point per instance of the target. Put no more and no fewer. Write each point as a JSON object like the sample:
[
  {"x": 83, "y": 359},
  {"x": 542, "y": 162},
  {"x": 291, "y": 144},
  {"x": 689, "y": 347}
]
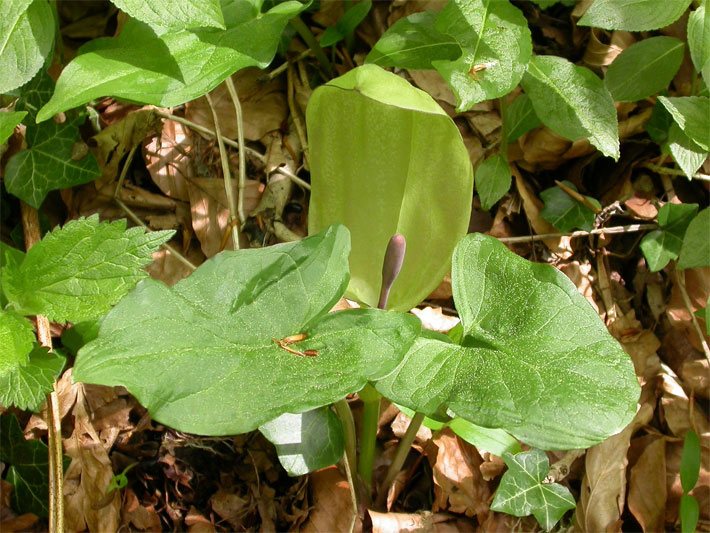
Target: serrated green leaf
[
  {"x": 633, "y": 15},
  {"x": 350, "y": 20},
  {"x": 379, "y": 148},
  {"x": 26, "y": 39},
  {"x": 522, "y": 490},
  {"x": 519, "y": 118},
  {"x": 535, "y": 361},
  {"x": 573, "y": 102},
  {"x": 493, "y": 178},
  {"x": 79, "y": 271},
  {"x": 695, "y": 252},
  {"x": 175, "y": 16},
  {"x": 686, "y": 153},
  {"x": 16, "y": 339},
  {"x": 306, "y": 442},
  {"x": 496, "y": 44},
  {"x": 699, "y": 36},
  {"x": 10, "y": 259},
  {"x": 690, "y": 461},
  {"x": 26, "y": 387},
  {"x": 565, "y": 212},
  {"x": 692, "y": 114},
  {"x": 8, "y": 121},
  {"x": 413, "y": 42},
  {"x": 663, "y": 245},
  {"x": 644, "y": 69},
  {"x": 173, "y": 68},
  {"x": 209, "y": 340}
]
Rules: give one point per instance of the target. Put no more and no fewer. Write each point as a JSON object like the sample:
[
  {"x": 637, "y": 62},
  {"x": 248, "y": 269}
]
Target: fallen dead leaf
[
  {"x": 231, "y": 507},
  {"x": 420, "y": 522},
  {"x": 675, "y": 406},
  {"x": 197, "y": 523},
  {"x": 169, "y": 269},
  {"x": 143, "y": 518},
  {"x": 647, "y": 487},
  {"x": 696, "y": 376},
  {"x": 167, "y": 158},
  {"x": 332, "y": 505},
  {"x": 697, "y": 285}
]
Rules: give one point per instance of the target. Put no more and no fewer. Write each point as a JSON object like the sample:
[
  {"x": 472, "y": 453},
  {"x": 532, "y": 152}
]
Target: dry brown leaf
[
  {"x": 505, "y": 523},
  {"x": 459, "y": 484},
  {"x": 197, "y": 523},
  {"x": 492, "y": 466},
  {"x": 542, "y": 148},
  {"x": 332, "y": 506},
  {"x": 431, "y": 82},
  {"x": 231, "y": 507},
  {"x": 168, "y": 269},
  {"x": 420, "y": 522},
  {"x": 143, "y": 518},
  {"x": 647, "y": 486},
  {"x": 641, "y": 344},
  {"x": 167, "y": 159},
  {"x": 583, "y": 278},
  {"x": 400, "y": 424},
  {"x": 263, "y": 105},
  {"x": 696, "y": 376},
  {"x": 697, "y": 285},
  {"x": 87, "y": 505},
  {"x": 675, "y": 406},
  {"x": 443, "y": 291}
]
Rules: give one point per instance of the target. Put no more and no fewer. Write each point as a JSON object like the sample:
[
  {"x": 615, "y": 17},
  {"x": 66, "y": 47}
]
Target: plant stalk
[
  {"x": 242, "y": 158},
  {"x": 346, "y": 417},
  {"x": 368, "y": 438},
  {"x": 310, "y": 40}
]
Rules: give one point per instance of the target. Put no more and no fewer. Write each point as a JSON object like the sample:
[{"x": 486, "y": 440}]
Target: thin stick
[
  {"x": 307, "y": 36},
  {"x": 680, "y": 277},
  {"x": 240, "y": 140},
  {"x": 30, "y": 224},
  {"x": 399, "y": 458},
  {"x": 675, "y": 172},
  {"x": 295, "y": 116},
  {"x": 631, "y": 228},
  {"x": 283, "y": 66},
  {"x": 227, "y": 176},
  {"x": 579, "y": 197}
]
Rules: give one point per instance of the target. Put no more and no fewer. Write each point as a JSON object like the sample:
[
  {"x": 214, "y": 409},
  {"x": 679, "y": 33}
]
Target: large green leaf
[
  {"x": 496, "y": 45},
  {"x": 16, "y": 339},
  {"x": 664, "y": 244},
  {"x": 692, "y": 114},
  {"x": 162, "y": 15},
  {"x": 644, "y": 69},
  {"x": 535, "y": 358},
  {"x": 695, "y": 252},
  {"x": 633, "y": 15},
  {"x": 307, "y": 441},
  {"x": 386, "y": 159},
  {"x": 523, "y": 491},
  {"x": 26, "y": 37},
  {"x": 79, "y": 271},
  {"x": 573, "y": 102},
  {"x": 699, "y": 37},
  {"x": 202, "y": 356},
  {"x": 26, "y": 387},
  {"x": 686, "y": 153},
  {"x": 413, "y": 42},
  {"x": 172, "y": 68}
]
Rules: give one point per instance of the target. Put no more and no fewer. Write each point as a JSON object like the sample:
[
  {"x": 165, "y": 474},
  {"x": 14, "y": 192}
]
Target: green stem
[
  {"x": 308, "y": 37},
  {"x": 368, "y": 438},
  {"x": 346, "y": 417},
  {"x": 398, "y": 461}
]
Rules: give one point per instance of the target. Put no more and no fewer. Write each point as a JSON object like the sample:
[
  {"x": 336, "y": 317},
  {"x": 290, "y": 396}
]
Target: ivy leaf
[
  {"x": 686, "y": 153},
  {"x": 519, "y": 118},
  {"x": 573, "y": 102},
  {"x": 633, "y": 15},
  {"x": 567, "y": 213},
  {"x": 350, "y": 20},
  {"x": 27, "y": 28},
  {"x": 495, "y": 39},
  {"x": 26, "y": 387},
  {"x": 414, "y": 42},
  {"x": 692, "y": 114},
  {"x": 644, "y": 68},
  {"x": 175, "y": 16},
  {"x": 172, "y": 68},
  {"x": 535, "y": 359},
  {"x": 695, "y": 251},
  {"x": 79, "y": 271},
  {"x": 8, "y": 121},
  {"x": 213, "y": 339},
  {"x": 306, "y": 442},
  {"x": 522, "y": 490},
  {"x": 16, "y": 340},
  {"x": 662, "y": 245},
  {"x": 493, "y": 178}
]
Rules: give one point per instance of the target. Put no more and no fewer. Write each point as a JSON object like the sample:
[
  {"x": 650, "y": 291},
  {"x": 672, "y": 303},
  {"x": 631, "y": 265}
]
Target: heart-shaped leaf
[
  {"x": 162, "y": 15},
  {"x": 664, "y": 244},
  {"x": 535, "y": 359},
  {"x": 246, "y": 338}
]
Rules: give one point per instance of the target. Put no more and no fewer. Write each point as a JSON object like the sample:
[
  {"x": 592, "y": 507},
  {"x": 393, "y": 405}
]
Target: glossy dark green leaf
[
  {"x": 535, "y": 360},
  {"x": 26, "y": 387},
  {"x": 519, "y": 118},
  {"x": 633, "y": 15},
  {"x": 350, "y": 20},
  {"x": 162, "y": 15},
  {"x": 695, "y": 252},
  {"x": 307, "y": 441},
  {"x": 663, "y": 245},
  {"x": 567, "y": 213},
  {"x": 493, "y": 178}
]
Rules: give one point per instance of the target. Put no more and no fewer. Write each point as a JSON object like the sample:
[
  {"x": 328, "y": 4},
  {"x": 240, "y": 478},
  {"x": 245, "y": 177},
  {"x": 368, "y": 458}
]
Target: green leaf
[
  {"x": 704, "y": 314},
  {"x": 209, "y": 340},
  {"x": 573, "y": 102},
  {"x": 161, "y": 15},
  {"x": 644, "y": 69},
  {"x": 79, "y": 334},
  {"x": 689, "y": 512},
  {"x": 535, "y": 361},
  {"x": 565, "y": 212},
  {"x": 306, "y": 442},
  {"x": 380, "y": 150},
  {"x": 173, "y": 68},
  {"x": 633, "y": 15},
  {"x": 692, "y": 114},
  {"x": 657, "y": 126},
  {"x": 29, "y": 467},
  {"x": 686, "y": 153},
  {"x": 699, "y": 36},
  {"x": 695, "y": 252},
  {"x": 16, "y": 340},
  {"x": 413, "y": 42},
  {"x": 8, "y": 121},
  {"x": 79, "y": 271},
  {"x": 346, "y": 25},
  {"x": 26, "y": 387},
  {"x": 493, "y": 178},
  {"x": 522, "y": 490},
  {"x": 519, "y": 118},
  {"x": 495, "y": 38},
  {"x": 690, "y": 461},
  {"x": 27, "y": 34},
  {"x": 662, "y": 245},
  {"x": 10, "y": 259},
  {"x": 495, "y": 441}
]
